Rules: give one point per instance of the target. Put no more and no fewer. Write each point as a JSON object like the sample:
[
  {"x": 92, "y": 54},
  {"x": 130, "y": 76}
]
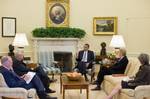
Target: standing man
[
  {"x": 85, "y": 60},
  {"x": 13, "y": 80},
  {"x": 117, "y": 68}
]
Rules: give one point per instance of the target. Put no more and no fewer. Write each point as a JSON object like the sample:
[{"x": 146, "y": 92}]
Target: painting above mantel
[{"x": 57, "y": 13}]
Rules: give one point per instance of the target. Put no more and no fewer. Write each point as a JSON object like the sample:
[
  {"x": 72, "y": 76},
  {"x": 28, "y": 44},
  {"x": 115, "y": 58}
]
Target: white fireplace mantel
[
  {"x": 55, "y": 39},
  {"x": 55, "y": 44}
]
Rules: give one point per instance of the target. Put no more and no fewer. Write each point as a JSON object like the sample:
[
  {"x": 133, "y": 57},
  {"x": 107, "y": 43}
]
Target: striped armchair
[{"x": 46, "y": 60}]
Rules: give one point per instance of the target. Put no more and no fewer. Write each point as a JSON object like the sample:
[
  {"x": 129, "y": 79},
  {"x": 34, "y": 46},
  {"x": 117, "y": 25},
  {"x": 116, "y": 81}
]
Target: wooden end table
[{"x": 67, "y": 84}]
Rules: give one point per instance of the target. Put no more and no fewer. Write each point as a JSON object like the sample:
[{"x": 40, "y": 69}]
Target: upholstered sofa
[
  {"x": 110, "y": 81},
  {"x": 19, "y": 93}
]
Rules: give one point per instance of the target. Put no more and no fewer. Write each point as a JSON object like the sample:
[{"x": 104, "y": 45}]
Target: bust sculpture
[
  {"x": 103, "y": 53},
  {"x": 11, "y": 50}
]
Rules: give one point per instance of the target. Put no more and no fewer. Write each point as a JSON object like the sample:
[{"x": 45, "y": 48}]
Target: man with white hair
[
  {"x": 13, "y": 80},
  {"x": 20, "y": 68}
]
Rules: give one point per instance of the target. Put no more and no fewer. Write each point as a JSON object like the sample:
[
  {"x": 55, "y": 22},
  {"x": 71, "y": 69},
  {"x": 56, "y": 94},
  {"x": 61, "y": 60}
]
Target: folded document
[{"x": 30, "y": 75}]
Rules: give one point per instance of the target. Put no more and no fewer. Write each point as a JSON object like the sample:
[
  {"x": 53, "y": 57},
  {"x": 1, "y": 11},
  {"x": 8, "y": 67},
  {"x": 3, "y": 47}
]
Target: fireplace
[
  {"x": 64, "y": 60},
  {"x": 48, "y": 50}
]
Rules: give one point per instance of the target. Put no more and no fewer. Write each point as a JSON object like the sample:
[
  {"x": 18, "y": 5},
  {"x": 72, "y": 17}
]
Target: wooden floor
[{"x": 75, "y": 94}]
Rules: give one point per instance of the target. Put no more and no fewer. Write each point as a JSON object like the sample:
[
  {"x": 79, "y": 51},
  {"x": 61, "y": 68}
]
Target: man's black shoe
[
  {"x": 94, "y": 83},
  {"x": 86, "y": 79},
  {"x": 43, "y": 95},
  {"x": 50, "y": 91},
  {"x": 96, "y": 88},
  {"x": 53, "y": 80}
]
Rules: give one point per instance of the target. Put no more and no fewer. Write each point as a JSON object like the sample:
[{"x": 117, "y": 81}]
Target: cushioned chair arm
[
  {"x": 32, "y": 94},
  {"x": 129, "y": 92},
  {"x": 18, "y": 93},
  {"x": 142, "y": 91},
  {"x": 14, "y": 92}
]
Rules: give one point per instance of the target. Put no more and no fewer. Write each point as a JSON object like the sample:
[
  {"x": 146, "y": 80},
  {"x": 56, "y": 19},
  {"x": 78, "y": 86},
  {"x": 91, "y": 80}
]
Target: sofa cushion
[
  {"x": 114, "y": 80},
  {"x": 129, "y": 92},
  {"x": 132, "y": 67},
  {"x": 2, "y": 81},
  {"x": 111, "y": 81}
]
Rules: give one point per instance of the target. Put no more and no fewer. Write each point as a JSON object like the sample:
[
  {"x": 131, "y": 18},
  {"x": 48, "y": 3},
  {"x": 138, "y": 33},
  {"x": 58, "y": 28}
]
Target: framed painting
[
  {"x": 104, "y": 25},
  {"x": 8, "y": 26},
  {"x": 57, "y": 13}
]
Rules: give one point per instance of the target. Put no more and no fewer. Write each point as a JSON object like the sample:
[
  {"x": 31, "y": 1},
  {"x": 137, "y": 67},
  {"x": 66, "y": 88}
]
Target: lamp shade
[
  {"x": 20, "y": 40},
  {"x": 117, "y": 41}
]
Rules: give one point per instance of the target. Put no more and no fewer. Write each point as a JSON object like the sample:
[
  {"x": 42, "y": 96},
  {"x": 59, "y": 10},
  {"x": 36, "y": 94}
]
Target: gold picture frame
[
  {"x": 104, "y": 25},
  {"x": 57, "y": 13}
]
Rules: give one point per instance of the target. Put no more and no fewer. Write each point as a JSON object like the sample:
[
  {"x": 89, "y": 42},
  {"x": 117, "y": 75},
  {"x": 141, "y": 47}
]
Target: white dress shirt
[{"x": 84, "y": 57}]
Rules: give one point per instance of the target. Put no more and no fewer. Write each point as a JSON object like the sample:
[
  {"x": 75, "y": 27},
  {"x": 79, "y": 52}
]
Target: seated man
[
  {"x": 13, "y": 80},
  {"x": 85, "y": 59},
  {"x": 117, "y": 68},
  {"x": 20, "y": 68}
]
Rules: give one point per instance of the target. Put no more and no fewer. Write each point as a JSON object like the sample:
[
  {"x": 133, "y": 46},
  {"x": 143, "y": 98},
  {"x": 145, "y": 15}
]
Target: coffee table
[{"x": 66, "y": 84}]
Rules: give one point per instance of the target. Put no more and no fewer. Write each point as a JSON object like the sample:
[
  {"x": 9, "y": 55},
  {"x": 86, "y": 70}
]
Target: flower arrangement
[{"x": 111, "y": 56}]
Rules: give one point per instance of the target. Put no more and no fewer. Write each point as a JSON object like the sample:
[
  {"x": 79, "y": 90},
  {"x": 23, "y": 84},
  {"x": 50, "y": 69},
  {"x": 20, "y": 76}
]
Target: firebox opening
[{"x": 64, "y": 60}]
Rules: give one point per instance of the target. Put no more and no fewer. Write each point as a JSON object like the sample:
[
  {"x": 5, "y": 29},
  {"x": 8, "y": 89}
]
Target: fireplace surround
[{"x": 44, "y": 49}]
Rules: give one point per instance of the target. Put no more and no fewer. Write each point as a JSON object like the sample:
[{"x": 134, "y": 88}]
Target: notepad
[{"x": 31, "y": 75}]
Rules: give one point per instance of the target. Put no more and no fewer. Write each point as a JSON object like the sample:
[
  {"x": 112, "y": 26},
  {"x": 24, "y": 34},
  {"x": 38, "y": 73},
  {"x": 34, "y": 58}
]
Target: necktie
[{"x": 84, "y": 58}]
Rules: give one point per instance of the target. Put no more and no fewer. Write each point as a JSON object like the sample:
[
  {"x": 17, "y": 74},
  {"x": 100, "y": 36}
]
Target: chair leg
[
  {"x": 92, "y": 77},
  {"x": 52, "y": 76}
]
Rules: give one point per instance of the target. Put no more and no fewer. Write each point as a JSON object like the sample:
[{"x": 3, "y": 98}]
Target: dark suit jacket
[
  {"x": 13, "y": 80},
  {"x": 142, "y": 77},
  {"x": 120, "y": 66},
  {"x": 90, "y": 57},
  {"x": 20, "y": 67}
]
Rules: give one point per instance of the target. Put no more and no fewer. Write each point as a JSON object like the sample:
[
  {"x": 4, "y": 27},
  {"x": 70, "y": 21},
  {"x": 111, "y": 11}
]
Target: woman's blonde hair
[{"x": 123, "y": 51}]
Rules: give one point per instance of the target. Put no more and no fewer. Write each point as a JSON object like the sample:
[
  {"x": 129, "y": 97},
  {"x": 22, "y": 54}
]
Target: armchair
[
  {"x": 90, "y": 72},
  {"x": 19, "y": 93}
]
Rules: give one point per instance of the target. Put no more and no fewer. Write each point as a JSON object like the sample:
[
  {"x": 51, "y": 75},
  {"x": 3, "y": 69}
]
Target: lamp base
[{"x": 20, "y": 49}]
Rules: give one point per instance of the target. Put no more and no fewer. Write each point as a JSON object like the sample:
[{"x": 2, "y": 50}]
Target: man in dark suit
[
  {"x": 13, "y": 80},
  {"x": 117, "y": 68},
  {"x": 20, "y": 68},
  {"x": 85, "y": 60}
]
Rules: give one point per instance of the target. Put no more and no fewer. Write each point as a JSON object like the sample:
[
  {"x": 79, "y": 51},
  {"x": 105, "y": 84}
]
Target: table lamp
[
  {"x": 117, "y": 42},
  {"x": 20, "y": 40}
]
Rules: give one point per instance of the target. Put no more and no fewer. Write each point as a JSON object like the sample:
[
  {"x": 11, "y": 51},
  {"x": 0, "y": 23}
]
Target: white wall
[{"x": 133, "y": 20}]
